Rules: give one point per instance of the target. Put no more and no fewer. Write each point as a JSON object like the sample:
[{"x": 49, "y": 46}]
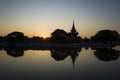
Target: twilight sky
[{"x": 41, "y": 17}]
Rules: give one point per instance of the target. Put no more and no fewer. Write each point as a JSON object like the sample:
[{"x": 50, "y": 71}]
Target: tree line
[{"x": 61, "y": 36}]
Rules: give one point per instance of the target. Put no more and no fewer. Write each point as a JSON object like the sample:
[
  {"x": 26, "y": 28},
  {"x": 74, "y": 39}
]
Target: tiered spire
[
  {"x": 74, "y": 33},
  {"x": 73, "y": 30}
]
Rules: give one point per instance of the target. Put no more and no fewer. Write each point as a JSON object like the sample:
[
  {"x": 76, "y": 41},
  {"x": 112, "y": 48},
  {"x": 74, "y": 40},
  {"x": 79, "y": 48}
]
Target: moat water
[{"x": 60, "y": 64}]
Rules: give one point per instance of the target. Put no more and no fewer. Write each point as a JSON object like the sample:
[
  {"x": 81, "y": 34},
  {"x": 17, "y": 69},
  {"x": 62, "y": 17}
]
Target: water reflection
[
  {"x": 57, "y": 62},
  {"x": 15, "y": 52},
  {"x": 106, "y": 54},
  {"x": 60, "y": 54}
]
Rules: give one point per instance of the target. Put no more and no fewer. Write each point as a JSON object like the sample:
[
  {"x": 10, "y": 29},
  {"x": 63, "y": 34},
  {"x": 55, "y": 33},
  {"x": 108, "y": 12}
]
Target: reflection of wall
[{"x": 106, "y": 54}]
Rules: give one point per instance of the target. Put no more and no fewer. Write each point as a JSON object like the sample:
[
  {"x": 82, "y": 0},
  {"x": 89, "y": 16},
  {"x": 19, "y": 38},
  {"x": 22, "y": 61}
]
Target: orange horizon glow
[
  {"x": 42, "y": 17},
  {"x": 44, "y": 37}
]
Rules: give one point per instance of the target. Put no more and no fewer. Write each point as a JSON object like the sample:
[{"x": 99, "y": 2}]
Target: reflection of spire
[{"x": 73, "y": 57}]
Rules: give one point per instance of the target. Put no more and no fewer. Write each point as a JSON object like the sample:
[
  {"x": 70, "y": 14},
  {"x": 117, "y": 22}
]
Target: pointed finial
[
  {"x": 73, "y": 30},
  {"x": 73, "y": 21},
  {"x": 73, "y": 63},
  {"x": 73, "y": 57}
]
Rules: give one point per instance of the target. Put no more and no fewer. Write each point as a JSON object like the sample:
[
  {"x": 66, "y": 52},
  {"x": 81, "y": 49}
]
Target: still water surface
[{"x": 60, "y": 64}]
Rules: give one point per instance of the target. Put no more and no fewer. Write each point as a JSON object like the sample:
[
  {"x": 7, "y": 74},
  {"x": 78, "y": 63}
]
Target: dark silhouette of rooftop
[{"x": 73, "y": 32}]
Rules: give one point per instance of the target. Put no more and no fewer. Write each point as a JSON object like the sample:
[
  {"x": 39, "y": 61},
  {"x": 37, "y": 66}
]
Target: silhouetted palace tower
[{"x": 73, "y": 32}]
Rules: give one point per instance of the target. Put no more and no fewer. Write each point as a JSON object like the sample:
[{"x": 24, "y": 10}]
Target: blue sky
[{"x": 41, "y": 17}]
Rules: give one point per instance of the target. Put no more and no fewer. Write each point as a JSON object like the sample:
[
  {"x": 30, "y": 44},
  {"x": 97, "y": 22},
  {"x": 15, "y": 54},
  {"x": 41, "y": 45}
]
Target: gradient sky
[{"x": 41, "y": 17}]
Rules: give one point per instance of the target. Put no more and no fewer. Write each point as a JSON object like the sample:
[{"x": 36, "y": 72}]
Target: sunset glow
[
  {"x": 44, "y": 37},
  {"x": 42, "y": 17}
]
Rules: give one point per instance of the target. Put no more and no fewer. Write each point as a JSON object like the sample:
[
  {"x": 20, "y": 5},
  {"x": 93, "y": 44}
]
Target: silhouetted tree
[
  {"x": 59, "y": 35},
  {"x": 2, "y": 39},
  {"x": 106, "y": 54},
  {"x": 105, "y": 36},
  {"x": 86, "y": 40},
  {"x": 78, "y": 39},
  {"x": 15, "y": 37}
]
